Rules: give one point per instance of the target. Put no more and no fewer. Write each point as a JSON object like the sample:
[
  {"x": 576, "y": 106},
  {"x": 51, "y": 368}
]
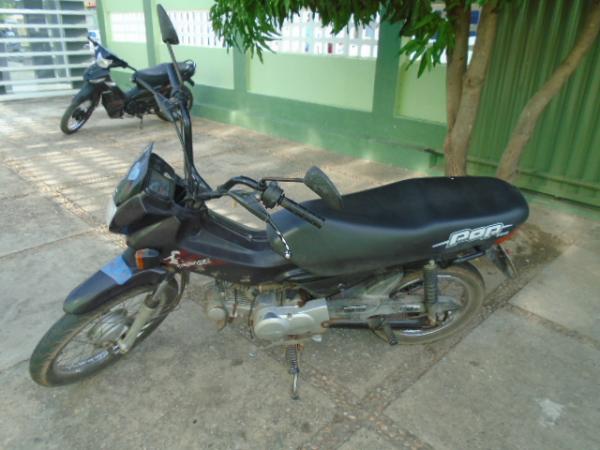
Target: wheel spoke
[
  {"x": 80, "y": 115},
  {"x": 448, "y": 286},
  {"x": 94, "y": 343}
]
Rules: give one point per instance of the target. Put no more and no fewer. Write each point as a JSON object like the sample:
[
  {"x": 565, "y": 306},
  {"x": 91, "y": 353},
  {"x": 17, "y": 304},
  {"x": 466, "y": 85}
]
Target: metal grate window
[
  {"x": 43, "y": 49},
  {"x": 306, "y": 35},
  {"x": 195, "y": 29},
  {"x": 128, "y": 27}
]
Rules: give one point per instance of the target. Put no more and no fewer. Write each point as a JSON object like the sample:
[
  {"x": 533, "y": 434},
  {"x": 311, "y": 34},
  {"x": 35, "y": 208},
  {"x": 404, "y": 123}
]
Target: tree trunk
[
  {"x": 460, "y": 20},
  {"x": 457, "y": 141},
  {"x": 535, "y": 106}
]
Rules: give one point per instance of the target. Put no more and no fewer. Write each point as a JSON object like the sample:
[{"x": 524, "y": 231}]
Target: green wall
[
  {"x": 421, "y": 98},
  {"x": 376, "y": 109},
  {"x": 214, "y": 67},
  {"x": 314, "y": 79},
  {"x": 134, "y": 53}
]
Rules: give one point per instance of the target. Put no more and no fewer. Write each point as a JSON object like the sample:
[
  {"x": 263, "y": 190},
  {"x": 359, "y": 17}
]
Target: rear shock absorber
[{"x": 430, "y": 285}]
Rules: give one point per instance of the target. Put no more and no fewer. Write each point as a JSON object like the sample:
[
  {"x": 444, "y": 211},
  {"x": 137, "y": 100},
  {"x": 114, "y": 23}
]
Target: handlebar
[
  {"x": 300, "y": 211},
  {"x": 271, "y": 195},
  {"x": 106, "y": 53},
  {"x": 251, "y": 205},
  {"x": 246, "y": 181}
]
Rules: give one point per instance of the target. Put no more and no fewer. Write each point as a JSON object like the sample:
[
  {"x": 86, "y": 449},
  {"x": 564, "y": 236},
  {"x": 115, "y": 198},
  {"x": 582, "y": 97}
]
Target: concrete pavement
[{"x": 524, "y": 375}]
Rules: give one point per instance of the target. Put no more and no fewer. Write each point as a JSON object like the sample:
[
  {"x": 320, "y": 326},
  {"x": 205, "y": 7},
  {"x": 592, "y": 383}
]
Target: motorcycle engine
[
  {"x": 136, "y": 108},
  {"x": 113, "y": 103},
  {"x": 273, "y": 323},
  {"x": 274, "y": 315}
]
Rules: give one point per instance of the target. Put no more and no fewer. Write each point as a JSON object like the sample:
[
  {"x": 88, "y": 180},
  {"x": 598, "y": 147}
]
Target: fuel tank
[{"x": 229, "y": 251}]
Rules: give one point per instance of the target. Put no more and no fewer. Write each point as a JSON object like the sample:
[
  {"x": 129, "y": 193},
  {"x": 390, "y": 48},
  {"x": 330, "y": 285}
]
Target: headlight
[
  {"x": 103, "y": 63},
  {"x": 111, "y": 209}
]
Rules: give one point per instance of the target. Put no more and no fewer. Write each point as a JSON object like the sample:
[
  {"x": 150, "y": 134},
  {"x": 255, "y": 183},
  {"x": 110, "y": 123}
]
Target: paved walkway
[{"x": 524, "y": 376}]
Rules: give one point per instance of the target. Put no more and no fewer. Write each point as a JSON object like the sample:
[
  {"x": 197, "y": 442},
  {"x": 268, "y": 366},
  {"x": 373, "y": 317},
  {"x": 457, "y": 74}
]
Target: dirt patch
[
  {"x": 531, "y": 250},
  {"x": 532, "y": 247}
]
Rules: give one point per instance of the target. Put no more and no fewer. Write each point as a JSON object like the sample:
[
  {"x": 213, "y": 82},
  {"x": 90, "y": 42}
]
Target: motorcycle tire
[
  {"x": 465, "y": 276},
  {"x": 76, "y": 116},
  {"x": 111, "y": 319}
]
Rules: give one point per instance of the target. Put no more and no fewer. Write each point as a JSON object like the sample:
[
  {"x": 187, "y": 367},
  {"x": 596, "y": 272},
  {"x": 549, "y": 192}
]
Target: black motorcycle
[
  {"x": 98, "y": 86},
  {"x": 394, "y": 259}
]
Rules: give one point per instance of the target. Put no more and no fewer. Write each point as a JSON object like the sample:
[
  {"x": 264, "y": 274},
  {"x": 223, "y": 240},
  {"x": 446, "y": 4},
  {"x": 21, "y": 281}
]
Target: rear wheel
[
  {"x": 462, "y": 285},
  {"x": 189, "y": 100},
  {"x": 78, "y": 346},
  {"x": 76, "y": 115}
]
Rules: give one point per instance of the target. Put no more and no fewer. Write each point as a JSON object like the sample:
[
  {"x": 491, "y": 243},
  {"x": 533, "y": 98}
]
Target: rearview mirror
[
  {"x": 316, "y": 180},
  {"x": 167, "y": 30}
]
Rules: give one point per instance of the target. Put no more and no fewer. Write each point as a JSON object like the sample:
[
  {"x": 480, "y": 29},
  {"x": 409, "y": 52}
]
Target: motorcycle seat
[
  {"x": 406, "y": 221},
  {"x": 158, "y": 75}
]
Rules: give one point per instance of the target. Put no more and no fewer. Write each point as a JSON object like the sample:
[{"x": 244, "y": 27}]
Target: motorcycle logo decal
[
  {"x": 476, "y": 234},
  {"x": 182, "y": 259}
]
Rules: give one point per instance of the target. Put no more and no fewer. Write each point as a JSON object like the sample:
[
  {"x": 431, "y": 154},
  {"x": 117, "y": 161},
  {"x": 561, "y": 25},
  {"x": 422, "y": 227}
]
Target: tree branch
[
  {"x": 459, "y": 15},
  {"x": 457, "y": 142}
]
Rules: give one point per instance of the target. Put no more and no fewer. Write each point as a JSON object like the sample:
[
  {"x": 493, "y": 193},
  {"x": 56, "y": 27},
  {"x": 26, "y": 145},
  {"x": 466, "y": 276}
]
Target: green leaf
[{"x": 422, "y": 65}]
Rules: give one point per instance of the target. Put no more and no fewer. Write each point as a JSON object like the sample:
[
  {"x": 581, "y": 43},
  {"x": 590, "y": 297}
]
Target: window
[
  {"x": 305, "y": 34},
  {"x": 195, "y": 29},
  {"x": 128, "y": 27}
]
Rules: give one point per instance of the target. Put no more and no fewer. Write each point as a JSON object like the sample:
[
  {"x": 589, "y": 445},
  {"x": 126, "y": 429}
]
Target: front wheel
[
  {"x": 76, "y": 115},
  {"x": 462, "y": 285},
  {"x": 78, "y": 346}
]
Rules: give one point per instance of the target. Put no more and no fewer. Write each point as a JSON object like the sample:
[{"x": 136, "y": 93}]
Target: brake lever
[{"x": 287, "y": 253}]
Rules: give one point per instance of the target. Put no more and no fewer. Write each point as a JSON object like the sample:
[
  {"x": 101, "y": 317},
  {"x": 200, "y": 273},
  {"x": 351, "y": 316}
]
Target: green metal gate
[{"x": 563, "y": 156}]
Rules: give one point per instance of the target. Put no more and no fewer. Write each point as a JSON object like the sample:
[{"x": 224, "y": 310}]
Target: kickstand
[
  {"x": 291, "y": 354},
  {"x": 382, "y": 329}
]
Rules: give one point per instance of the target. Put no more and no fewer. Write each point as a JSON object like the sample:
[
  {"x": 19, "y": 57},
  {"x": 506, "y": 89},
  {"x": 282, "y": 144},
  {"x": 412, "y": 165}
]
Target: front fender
[{"x": 113, "y": 279}]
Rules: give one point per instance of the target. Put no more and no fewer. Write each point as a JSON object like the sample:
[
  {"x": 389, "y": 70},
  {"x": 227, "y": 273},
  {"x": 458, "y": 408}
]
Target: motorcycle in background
[{"x": 98, "y": 86}]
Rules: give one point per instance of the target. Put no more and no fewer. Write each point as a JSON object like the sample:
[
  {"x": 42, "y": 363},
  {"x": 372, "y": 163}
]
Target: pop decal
[{"x": 476, "y": 234}]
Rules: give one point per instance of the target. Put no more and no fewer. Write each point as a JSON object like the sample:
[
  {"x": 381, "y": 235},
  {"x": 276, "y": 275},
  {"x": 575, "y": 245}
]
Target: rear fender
[
  {"x": 113, "y": 279},
  {"x": 502, "y": 260}
]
